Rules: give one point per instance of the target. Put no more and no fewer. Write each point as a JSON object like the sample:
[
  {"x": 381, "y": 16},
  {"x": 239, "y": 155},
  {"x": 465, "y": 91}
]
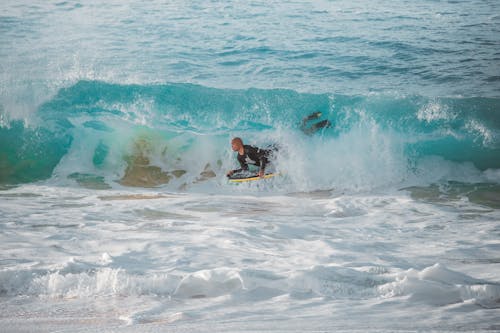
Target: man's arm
[
  {"x": 243, "y": 163},
  {"x": 263, "y": 162},
  {"x": 262, "y": 153},
  {"x": 243, "y": 166}
]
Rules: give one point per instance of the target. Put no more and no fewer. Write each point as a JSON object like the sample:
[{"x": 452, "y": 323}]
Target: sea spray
[{"x": 148, "y": 135}]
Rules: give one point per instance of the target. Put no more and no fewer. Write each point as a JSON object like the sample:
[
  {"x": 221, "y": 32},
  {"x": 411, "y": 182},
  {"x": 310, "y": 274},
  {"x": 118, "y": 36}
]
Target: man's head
[{"x": 236, "y": 144}]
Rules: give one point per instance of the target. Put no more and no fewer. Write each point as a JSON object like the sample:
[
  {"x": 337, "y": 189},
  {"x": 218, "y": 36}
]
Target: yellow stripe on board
[{"x": 242, "y": 180}]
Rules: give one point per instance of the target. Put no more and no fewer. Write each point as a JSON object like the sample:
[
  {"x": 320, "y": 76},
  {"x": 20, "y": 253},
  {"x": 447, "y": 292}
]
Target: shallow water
[{"x": 120, "y": 259}]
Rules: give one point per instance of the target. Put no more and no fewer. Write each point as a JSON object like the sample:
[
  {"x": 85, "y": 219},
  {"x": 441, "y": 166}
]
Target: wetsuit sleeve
[
  {"x": 243, "y": 164},
  {"x": 260, "y": 156}
]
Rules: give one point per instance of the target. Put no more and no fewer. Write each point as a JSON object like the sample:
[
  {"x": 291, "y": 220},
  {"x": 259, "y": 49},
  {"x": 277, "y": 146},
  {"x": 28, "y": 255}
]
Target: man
[{"x": 250, "y": 154}]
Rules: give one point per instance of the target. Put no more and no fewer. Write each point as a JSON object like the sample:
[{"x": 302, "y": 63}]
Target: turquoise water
[
  {"x": 430, "y": 48},
  {"x": 99, "y": 123}
]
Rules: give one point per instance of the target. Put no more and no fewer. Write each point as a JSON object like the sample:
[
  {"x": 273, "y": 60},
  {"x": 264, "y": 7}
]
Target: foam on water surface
[{"x": 293, "y": 261}]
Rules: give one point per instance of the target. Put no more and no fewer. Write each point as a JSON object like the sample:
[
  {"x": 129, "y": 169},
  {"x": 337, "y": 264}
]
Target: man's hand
[{"x": 261, "y": 173}]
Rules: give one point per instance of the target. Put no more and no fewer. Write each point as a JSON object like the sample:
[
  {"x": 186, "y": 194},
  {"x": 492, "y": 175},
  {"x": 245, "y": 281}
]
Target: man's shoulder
[{"x": 250, "y": 147}]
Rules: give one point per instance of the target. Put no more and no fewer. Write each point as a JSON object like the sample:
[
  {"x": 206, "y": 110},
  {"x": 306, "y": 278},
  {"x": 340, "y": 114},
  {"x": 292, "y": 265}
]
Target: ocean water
[{"x": 115, "y": 126}]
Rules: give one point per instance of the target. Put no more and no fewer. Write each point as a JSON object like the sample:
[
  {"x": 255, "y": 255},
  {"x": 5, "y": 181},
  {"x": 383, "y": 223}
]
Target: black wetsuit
[{"x": 253, "y": 155}]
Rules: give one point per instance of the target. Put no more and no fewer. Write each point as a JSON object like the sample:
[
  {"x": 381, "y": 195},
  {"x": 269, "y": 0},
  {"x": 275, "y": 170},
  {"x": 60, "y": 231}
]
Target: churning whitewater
[{"x": 116, "y": 120}]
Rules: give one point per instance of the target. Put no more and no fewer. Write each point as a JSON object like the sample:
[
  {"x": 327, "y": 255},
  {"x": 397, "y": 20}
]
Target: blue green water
[{"x": 81, "y": 81}]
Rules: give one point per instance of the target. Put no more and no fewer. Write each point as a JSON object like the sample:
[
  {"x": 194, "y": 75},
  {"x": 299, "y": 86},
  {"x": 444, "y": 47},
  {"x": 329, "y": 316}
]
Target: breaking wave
[{"x": 102, "y": 135}]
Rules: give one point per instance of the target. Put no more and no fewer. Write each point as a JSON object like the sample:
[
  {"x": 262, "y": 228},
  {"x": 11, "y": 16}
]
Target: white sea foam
[
  {"x": 437, "y": 285},
  {"x": 180, "y": 259},
  {"x": 435, "y": 111}
]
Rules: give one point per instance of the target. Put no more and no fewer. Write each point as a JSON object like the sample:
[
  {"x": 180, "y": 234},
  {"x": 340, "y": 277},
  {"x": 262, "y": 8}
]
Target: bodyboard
[{"x": 249, "y": 178}]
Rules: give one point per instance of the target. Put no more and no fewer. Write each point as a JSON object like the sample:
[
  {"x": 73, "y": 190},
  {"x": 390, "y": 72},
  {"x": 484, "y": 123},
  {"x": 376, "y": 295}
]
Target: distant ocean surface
[{"x": 115, "y": 126}]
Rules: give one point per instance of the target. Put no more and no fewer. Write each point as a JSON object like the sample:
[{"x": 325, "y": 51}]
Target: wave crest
[{"x": 99, "y": 134}]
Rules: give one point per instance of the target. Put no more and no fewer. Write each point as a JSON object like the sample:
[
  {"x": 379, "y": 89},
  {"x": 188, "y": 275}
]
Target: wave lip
[
  {"x": 209, "y": 283},
  {"x": 435, "y": 285},
  {"x": 439, "y": 286}
]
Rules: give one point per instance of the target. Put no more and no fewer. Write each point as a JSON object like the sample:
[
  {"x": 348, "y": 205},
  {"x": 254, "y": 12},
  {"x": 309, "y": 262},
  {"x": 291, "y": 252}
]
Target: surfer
[
  {"x": 316, "y": 126},
  {"x": 250, "y": 154}
]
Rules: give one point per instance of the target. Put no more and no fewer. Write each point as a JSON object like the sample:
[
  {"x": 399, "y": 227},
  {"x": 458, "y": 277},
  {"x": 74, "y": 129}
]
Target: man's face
[{"x": 235, "y": 145}]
